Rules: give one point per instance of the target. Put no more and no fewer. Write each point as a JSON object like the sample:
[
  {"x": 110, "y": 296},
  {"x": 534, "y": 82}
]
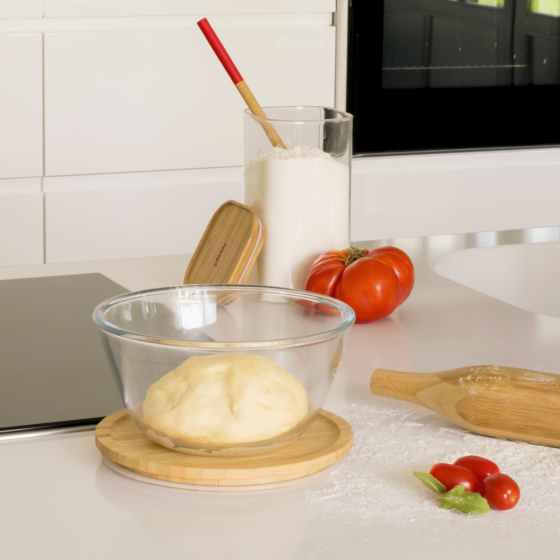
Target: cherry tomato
[
  {"x": 373, "y": 283},
  {"x": 452, "y": 475},
  {"x": 501, "y": 491},
  {"x": 479, "y": 466}
]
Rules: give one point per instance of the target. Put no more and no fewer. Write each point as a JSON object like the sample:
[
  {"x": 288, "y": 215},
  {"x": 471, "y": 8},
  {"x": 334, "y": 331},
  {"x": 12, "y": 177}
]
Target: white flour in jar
[{"x": 301, "y": 196}]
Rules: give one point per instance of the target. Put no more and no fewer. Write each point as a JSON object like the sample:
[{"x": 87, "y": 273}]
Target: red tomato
[
  {"x": 318, "y": 308},
  {"x": 400, "y": 263},
  {"x": 373, "y": 283},
  {"x": 479, "y": 466},
  {"x": 501, "y": 491},
  {"x": 452, "y": 475}
]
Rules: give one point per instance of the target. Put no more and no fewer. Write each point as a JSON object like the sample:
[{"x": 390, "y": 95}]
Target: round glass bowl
[{"x": 148, "y": 334}]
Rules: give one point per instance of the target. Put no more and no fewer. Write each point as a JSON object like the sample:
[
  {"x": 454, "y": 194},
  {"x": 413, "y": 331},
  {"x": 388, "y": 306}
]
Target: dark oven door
[{"x": 453, "y": 75}]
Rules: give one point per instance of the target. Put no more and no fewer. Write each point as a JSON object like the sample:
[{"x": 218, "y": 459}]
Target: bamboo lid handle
[{"x": 401, "y": 384}]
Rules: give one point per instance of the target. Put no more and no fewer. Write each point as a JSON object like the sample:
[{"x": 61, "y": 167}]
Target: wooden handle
[
  {"x": 239, "y": 82},
  {"x": 401, "y": 385},
  {"x": 497, "y": 401},
  {"x": 256, "y": 109}
]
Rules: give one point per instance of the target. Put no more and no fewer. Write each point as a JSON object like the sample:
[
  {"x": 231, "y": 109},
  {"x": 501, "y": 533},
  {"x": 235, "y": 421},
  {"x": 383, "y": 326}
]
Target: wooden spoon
[
  {"x": 493, "y": 401},
  {"x": 239, "y": 82}
]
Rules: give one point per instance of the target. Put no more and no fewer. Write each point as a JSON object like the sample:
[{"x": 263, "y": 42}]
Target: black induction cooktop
[{"x": 53, "y": 371}]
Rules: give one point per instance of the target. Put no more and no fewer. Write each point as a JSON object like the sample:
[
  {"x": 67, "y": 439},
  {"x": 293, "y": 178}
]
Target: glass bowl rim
[
  {"x": 344, "y": 309},
  {"x": 345, "y": 116}
]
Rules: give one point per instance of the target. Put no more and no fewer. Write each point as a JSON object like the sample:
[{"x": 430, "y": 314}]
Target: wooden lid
[
  {"x": 325, "y": 442},
  {"x": 229, "y": 247}
]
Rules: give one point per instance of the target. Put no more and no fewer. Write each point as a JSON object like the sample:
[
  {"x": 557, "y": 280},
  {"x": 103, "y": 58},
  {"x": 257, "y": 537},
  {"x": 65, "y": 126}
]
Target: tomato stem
[{"x": 353, "y": 255}]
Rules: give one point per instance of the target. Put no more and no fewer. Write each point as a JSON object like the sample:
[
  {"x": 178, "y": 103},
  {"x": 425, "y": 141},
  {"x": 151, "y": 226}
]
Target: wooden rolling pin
[{"x": 493, "y": 401}]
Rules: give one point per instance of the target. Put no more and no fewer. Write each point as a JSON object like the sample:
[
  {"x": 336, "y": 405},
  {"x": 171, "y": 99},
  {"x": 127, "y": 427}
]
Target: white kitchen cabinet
[
  {"x": 159, "y": 99},
  {"x": 433, "y": 194},
  {"x": 123, "y": 222},
  {"x": 97, "y": 8},
  {"x": 21, "y": 106},
  {"x": 21, "y": 228},
  {"x": 21, "y": 8}
]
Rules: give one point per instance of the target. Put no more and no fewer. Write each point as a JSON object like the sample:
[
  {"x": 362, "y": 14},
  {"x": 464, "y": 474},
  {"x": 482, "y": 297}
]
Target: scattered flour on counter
[
  {"x": 302, "y": 197},
  {"x": 374, "y": 484}
]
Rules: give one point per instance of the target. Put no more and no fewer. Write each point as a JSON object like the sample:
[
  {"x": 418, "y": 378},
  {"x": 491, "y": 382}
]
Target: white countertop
[{"x": 60, "y": 501}]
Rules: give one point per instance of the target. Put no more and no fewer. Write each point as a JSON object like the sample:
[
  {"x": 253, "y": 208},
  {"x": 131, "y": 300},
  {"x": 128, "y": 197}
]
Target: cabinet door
[
  {"x": 159, "y": 99},
  {"x": 99, "y": 8},
  {"x": 21, "y": 224},
  {"x": 21, "y": 8},
  {"x": 115, "y": 223},
  {"x": 21, "y": 106}
]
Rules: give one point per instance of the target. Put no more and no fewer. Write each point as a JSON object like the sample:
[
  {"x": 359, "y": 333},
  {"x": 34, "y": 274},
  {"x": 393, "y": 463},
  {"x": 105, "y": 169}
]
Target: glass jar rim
[
  {"x": 344, "y": 118},
  {"x": 346, "y": 311}
]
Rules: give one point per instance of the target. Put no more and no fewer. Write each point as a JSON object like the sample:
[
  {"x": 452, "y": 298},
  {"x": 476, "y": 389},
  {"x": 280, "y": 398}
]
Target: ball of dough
[{"x": 224, "y": 399}]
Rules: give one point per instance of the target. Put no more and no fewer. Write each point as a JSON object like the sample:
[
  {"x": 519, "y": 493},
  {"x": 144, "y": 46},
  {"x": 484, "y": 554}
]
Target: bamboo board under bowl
[
  {"x": 325, "y": 442},
  {"x": 122, "y": 471}
]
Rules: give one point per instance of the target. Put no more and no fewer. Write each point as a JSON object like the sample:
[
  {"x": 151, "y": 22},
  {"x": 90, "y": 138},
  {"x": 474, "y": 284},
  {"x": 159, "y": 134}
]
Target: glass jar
[{"x": 301, "y": 193}]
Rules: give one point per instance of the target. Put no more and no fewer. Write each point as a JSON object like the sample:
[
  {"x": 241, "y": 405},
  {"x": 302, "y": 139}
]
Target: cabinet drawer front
[
  {"x": 21, "y": 8},
  {"x": 130, "y": 222},
  {"x": 21, "y": 106},
  {"x": 21, "y": 228},
  {"x": 97, "y": 8},
  {"x": 154, "y": 100}
]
